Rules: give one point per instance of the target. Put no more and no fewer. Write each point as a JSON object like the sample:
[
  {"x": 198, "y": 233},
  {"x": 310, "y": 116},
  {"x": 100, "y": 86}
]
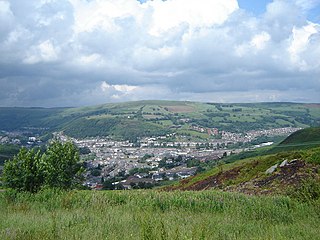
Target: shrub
[
  {"x": 24, "y": 172},
  {"x": 58, "y": 167}
]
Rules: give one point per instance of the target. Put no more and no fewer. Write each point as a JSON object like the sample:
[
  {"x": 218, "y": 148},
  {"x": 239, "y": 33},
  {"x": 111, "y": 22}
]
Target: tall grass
[{"x": 53, "y": 214}]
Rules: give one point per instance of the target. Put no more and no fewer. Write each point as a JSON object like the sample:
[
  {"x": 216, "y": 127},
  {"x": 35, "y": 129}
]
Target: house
[
  {"x": 141, "y": 175},
  {"x": 158, "y": 176},
  {"x": 171, "y": 176},
  {"x": 133, "y": 181},
  {"x": 184, "y": 174}
]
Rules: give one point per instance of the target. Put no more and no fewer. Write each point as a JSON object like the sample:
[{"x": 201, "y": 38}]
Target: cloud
[
  {"x": 196, "y": 14},
  {"x": 44, "y": 52},
  {"x": 117, "y": 91},
  {"x": 307, "y": 4},
  {"x": 79, "y": 52}
]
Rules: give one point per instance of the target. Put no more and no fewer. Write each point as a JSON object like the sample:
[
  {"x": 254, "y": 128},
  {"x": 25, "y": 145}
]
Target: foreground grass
[{"x": 154, "y": 215}]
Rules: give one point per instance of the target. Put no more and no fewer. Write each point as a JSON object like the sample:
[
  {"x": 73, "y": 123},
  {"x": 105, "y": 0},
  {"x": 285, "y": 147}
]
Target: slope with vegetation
[
  {"x": 292, "y": 168},
  {"x": 147, "y": 118},
  {"x": 249, "y": 175},
  {"x": 7, "y": 151},
  {"x": 307, "y": 136}
]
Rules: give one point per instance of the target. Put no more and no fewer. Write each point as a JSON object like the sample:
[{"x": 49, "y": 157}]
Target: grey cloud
[{"x": 46, "y": 62}]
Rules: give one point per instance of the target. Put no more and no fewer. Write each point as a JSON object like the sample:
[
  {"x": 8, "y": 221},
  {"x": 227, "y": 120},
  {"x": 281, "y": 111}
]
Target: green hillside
[
  {"x": 7, "y": 151},
  {"x": 308, "y": 135},
  {"x": 245, "y": 172},
  {"x": 21, "y": 118},
  {"x": 249, "y": 175},
  {"x": 147, "y": 118},
  {"x": 303, "y": 139}
]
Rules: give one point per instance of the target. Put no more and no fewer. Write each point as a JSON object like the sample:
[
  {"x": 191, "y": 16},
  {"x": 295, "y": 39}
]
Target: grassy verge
[{"x": 154, "y": 215}]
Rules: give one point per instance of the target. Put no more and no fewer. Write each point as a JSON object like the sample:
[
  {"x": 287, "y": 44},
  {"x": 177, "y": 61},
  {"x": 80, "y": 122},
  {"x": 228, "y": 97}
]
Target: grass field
[{"x": 155, "y": 215}]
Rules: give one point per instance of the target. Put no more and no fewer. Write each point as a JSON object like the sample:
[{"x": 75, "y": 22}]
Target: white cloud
[
  {"x": 196, "y": 13},
  {"x": 45, "y": 51},
  {"x": 300, "y": 41},
  {"x": 90, "y": 15},
  {"x": 5, "y": 9},
  {"x": 260, "y": 40},
  {"x": 120, "y": 88},
  {"x": 107, "y": 50},
  {"x": 117, "y": 91}
]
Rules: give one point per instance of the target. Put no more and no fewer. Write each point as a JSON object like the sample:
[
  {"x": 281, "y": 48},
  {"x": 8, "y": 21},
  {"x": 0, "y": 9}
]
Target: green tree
[
  {"x": 62, "y": 167},
  {"x": 25, "y": 171},
  {"x": 58, "y": 167}
]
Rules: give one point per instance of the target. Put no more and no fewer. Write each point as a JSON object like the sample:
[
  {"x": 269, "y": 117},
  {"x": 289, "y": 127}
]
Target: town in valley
[{"x": 151, "y": 161}]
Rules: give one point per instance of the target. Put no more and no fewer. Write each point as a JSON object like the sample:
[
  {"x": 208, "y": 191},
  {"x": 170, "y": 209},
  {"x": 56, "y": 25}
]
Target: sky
[{"x": 56, "y": 53}]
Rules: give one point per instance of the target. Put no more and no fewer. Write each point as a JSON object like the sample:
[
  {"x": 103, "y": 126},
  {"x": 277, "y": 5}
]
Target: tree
[
  {"x": 108, "y": 184},
  {"x": 58, "y": 167},
  {"x": 84, "y": 150},
  {"x": 25, "y": 171},
  {"x": 62, "y": 167}
]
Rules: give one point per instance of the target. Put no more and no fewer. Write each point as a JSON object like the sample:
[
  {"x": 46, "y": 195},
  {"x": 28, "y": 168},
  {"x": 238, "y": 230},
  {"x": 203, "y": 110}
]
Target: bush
[
  {"x": 58, "y": 167},
  {"x": 24, "y": 172},
  {"x": 62, "y": 167}
]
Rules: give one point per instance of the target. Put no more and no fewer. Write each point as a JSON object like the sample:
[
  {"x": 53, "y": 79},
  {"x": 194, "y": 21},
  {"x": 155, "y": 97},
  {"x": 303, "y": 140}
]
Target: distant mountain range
[{"x": 148, "y": 118}]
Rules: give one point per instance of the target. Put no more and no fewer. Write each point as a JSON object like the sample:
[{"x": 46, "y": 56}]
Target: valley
[
  {"x": 257, "y": 181},
  {"x": 159, "y": 140}
]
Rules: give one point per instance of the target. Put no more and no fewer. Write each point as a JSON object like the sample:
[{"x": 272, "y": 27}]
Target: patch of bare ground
[
  {"x": 290, "y": 175},
  {"x": 180, "y": 109},
  {"x": 313, "y": 105}
]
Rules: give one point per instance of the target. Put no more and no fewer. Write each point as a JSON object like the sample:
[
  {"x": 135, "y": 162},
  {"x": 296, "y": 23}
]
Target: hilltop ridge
[{"x": 149, "y": 118}]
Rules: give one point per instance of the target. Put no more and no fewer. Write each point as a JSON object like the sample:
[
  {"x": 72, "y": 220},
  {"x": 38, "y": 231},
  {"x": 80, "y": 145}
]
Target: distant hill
[
  {"x": 307, "y": 135},
  {"x": 302, "y": 139},
  {"x": 147, "y": 118}
]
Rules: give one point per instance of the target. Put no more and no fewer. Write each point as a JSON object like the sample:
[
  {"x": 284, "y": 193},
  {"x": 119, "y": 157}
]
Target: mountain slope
[
  {"x": 303, "y": 136},
  {"x": 303, "y": 139},
  {"x": 297, "y": 159},
  {"x": 250, "y": 175},
  {"x": 147, "y": 118}
]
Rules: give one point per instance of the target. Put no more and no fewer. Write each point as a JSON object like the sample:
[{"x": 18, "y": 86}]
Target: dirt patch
[
  {"x": 280, "y": 181},
  {"x": 287, "y": 174},
  {"x": 150, "y": 116},
  {"x": 216, "y": 181},
  {"x": 313, "y": 105},
  {"x": 291, "y": 175},
  {"x": 180, "y": 109}
]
